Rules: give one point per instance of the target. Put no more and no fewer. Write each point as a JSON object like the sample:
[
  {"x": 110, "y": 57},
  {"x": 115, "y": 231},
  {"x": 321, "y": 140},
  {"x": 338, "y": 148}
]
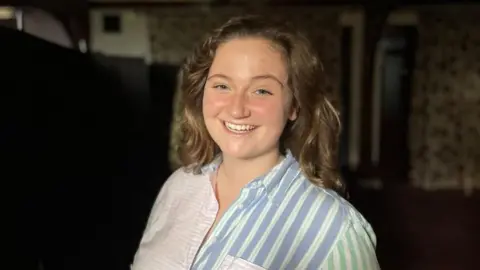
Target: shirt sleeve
[
  {"x": 158, "y": 214},
  {"x": 354, "y": 250},
  {"x": 160, "y": 209}
]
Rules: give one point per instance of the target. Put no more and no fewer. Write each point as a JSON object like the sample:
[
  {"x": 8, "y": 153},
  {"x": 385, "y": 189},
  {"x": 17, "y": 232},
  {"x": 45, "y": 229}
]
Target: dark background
[{"x": 84, "y": 142}]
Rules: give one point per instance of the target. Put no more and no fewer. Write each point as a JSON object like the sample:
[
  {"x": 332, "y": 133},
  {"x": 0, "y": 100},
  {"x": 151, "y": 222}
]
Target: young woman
[{"x": 259, "y": 149}]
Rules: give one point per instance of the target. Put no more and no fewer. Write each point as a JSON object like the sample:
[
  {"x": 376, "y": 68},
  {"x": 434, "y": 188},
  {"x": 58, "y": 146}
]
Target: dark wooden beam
[
  {"x": 367, "y": 2},
  {"x": 215, "y": 3},
  {"x": 136, "y": 4},
  {"x": 221, "y": 2},
  {"x": 148, "y": 4}
]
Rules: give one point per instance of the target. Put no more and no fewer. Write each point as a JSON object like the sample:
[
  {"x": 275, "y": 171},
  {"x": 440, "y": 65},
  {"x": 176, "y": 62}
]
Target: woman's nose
[{"x": 238, "y": 106}]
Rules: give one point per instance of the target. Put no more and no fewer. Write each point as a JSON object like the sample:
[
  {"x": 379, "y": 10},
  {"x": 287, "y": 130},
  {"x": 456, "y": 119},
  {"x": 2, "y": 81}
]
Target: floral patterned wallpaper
[{"x": 445, "y": 118}]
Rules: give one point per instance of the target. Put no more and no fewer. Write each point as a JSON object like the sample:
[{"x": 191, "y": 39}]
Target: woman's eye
[
  {"x": 263, "y": 92},
  {"x": 220, "y": 86}
]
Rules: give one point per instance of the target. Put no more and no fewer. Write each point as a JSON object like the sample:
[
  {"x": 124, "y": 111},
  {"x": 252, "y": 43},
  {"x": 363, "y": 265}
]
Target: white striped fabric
[{"x": 279, "y": 221}]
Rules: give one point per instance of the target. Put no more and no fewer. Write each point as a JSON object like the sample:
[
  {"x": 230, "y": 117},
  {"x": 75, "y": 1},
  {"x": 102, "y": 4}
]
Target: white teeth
[{"x": 239, "y": 128}]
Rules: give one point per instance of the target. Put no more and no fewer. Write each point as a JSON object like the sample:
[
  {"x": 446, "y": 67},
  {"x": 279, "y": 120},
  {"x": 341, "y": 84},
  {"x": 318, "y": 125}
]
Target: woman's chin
[{"x": 237, "y": 154}]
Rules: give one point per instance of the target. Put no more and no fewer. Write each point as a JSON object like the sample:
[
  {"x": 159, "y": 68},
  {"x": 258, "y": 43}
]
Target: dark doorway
[
  {"x": 346, "y": 58},
  {"x": 345, "y": 103},
  {"x": 399, "y": 43}
]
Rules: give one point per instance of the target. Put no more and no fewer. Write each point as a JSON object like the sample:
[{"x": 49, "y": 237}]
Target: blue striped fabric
[{"x": 283, "y": 221}]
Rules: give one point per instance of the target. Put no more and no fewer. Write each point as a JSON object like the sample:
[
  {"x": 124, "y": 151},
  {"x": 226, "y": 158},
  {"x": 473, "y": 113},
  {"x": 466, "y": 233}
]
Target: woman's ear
[{"x": 293, "y": 114}]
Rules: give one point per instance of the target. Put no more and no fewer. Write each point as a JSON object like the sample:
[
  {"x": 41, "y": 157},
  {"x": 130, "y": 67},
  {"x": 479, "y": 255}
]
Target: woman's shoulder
[
  {"x": 341, "y": 231},
  {"x": 322, "y": 220},
  {"x": 346, "y": 211},
  {"x": 349, "y": 231},
  {"x": 181, "y": 177},
  {"x": 334, "y": 211},
  {"x": 181, "y": 174},
  {"x": 331, "y": 217},
  {"x": 329, "y": 201},
  {"x": 178, "y": 185}
]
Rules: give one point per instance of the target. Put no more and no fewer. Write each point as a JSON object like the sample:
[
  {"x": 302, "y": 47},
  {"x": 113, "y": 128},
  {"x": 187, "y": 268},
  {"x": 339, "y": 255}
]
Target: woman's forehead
[{"x": 249, "y": 57}]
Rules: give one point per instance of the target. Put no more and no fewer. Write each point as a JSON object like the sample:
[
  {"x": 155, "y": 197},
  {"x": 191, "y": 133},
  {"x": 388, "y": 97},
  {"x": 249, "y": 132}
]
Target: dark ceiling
[{"x": 72, "y": 7}]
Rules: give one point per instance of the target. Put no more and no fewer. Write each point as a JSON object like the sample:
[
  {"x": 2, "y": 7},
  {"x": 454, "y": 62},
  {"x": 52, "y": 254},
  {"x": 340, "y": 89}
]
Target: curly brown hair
[{"x": 312, "y": 138}]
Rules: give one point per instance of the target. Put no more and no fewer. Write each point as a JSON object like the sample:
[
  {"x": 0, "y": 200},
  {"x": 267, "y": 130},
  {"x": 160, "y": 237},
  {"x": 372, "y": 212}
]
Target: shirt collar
[
  {"x": 212, "y": 166},
  {"x": 276, "y": 182},
  {"x": 281, "y": 177}
]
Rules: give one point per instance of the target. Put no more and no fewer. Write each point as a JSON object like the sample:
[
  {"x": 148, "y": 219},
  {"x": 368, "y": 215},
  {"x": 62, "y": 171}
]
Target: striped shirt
[{"x": 279, "y": 221}]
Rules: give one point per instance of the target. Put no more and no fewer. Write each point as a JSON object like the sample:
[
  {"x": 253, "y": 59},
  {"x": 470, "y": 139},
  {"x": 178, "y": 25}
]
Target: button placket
[{"x": 207, "y": 214}]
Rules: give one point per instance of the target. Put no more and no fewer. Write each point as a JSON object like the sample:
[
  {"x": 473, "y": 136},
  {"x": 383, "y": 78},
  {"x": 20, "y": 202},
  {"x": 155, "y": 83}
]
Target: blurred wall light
[{"x": 7, "y": 13}]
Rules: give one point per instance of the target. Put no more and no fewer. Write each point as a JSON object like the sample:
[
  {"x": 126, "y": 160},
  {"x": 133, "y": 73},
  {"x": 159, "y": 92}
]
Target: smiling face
[{"x": 246, "y": 102}]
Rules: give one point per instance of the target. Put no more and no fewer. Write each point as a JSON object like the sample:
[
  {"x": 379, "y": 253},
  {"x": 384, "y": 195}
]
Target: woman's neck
[{"x": 239, "y": 172}]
